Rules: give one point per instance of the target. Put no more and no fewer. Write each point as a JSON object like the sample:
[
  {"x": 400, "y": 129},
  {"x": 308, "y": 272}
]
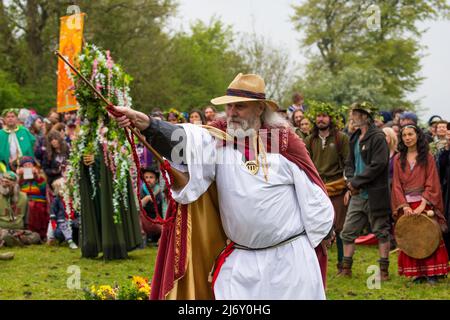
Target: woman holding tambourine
[{"x": 417, "y": 208}]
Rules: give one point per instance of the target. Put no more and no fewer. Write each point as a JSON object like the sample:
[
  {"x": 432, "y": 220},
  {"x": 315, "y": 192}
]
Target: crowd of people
[
  {"x": 378, "y": 154},
  {"x": 361, "y": 157},
  {"x": 34, "y": 151}
]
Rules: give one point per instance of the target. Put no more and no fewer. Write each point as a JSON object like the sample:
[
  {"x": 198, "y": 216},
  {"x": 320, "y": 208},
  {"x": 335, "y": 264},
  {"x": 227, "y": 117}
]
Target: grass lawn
[
  {"x": 398, "y": 288},
  {"x": 41, "y": 272}
]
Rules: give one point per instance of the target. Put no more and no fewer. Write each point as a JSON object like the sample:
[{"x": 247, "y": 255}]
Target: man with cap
[
  {"x": 329, "y": 149},
  {"x": 273, "y": 206},
  {"x": 367, "y": 173},
  {"x": 151, "y": 176},
  {"x": 13, "y": 211},
  {"x": 432, "y": 124},
  {"x": 15, "y": 140}
]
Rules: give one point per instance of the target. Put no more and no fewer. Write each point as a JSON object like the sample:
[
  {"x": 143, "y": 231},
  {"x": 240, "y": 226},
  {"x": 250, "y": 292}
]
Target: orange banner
[{"x": 70, "y": 42}]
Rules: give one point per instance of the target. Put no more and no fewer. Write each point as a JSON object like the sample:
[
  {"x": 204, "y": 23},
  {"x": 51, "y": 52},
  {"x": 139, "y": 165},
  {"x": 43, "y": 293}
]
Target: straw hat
[{"x": 246, "y": 87}]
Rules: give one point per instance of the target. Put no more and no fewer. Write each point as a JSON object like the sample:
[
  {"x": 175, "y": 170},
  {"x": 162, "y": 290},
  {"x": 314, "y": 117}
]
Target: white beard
[
  {"x": 10, "y": 191},
  {"x": 242, "y": 129}
]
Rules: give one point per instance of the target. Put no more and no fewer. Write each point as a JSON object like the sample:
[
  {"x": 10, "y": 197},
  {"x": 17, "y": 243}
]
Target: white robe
[{"x": 258, "y": 214}]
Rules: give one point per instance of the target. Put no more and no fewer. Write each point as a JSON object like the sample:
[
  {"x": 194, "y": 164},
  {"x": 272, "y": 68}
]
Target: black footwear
[
  {"x": 419, "y": 279},
  {"x": 432, "y": 280},
  {"x": 347, "y": 263},
  {"x": 384, "y": 269},
  {"x": 339, "y": 267}
]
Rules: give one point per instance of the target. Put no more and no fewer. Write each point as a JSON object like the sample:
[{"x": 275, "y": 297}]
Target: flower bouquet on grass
[{"x": 139, "y": 289}]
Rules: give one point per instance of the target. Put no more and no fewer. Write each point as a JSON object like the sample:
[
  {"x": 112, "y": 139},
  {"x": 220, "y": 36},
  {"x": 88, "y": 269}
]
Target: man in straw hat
[{"x": 273, "y": 206}]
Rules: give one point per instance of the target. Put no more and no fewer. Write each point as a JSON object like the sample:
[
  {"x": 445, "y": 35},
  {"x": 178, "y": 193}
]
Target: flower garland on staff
[{"x": 98, "y": 134}]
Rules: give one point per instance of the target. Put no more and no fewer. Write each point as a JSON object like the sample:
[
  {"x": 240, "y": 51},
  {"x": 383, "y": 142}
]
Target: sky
[{"x": 271, "y": 19}]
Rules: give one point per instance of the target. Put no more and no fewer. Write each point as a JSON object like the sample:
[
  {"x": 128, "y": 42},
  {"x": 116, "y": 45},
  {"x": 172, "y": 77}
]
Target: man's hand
[
  {"x": 326, "y": 244},
  {"x": 350, "y": 187},
  {"x": 139, "y": 119},
  {"x": 89, "y": 160},
  {"x": 353, "y": 190},
  {"x": 347, "y": 197}
]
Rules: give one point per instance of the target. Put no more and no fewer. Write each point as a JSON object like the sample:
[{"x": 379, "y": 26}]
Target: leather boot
[
  {"x": 347, "y": 263},
  {"x": 339, "y": 267},
  {"x": 384, "y": 269}
]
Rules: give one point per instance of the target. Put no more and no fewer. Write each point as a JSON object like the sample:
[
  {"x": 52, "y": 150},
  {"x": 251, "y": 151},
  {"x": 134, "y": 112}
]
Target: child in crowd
[
  {"x": 59, "y": 226},
  {"x": 151, "y": 176},
  {"x": 33, "y": 183}
]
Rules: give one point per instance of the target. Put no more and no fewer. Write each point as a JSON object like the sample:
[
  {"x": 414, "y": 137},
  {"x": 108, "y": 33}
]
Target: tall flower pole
[{"x": 179, "y": 179}]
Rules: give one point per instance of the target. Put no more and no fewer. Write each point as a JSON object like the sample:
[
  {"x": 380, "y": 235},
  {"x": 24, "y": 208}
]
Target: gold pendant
[{"x": 252, "y": 166}]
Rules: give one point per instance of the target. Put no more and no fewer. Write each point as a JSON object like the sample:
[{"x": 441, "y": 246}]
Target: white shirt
[
  {"x": 14, "y": 147},
  {"x": 259, "y": 214}
]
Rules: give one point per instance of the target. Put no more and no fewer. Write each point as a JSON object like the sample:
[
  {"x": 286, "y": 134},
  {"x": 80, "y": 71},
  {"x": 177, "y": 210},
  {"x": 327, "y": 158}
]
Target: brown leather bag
[{"x": 336, "y": 187}]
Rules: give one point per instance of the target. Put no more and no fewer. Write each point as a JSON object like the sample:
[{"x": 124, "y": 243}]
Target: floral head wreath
[
  {"x": 176, "y": 113},
  {"x": 335, "y": 113},
  {"x": 10, "y": 110}
]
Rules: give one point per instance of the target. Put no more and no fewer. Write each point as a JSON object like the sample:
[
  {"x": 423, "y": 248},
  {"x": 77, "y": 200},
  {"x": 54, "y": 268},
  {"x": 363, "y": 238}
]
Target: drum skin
[{"x": 417, "y": 235}]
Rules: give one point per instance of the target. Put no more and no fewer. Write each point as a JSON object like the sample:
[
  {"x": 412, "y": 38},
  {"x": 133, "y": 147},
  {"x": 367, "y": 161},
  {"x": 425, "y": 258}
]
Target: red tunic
[{"x": 408, "y": 187}]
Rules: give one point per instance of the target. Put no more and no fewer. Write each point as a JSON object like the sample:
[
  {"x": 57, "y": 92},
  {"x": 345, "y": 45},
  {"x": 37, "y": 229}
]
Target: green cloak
[
  {"x": 26, "y": 143},
  {"x": 98, "y": 232}
]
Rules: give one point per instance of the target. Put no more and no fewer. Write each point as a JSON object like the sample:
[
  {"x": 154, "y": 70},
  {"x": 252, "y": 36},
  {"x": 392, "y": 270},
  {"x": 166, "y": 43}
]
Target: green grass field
[{"x": 41, "y": 272}]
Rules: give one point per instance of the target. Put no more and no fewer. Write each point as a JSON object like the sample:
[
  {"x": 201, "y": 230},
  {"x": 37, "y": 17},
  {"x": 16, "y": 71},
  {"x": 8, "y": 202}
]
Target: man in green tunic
[{"x": 15, "y": 141}]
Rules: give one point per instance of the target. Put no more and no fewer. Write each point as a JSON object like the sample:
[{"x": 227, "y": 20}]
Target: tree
[
  {"x": 350, "y": 85},
  {"x": 272, "y": 63},
  {"x": 344, "y": 38},
  {"x": 10, "y": 95},
  {"x": 202, "y": 64},
  {"x": 132, "y": 30}
]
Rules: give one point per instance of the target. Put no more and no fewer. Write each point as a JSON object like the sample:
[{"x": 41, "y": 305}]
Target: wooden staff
[{"x": 180, "y": 179}]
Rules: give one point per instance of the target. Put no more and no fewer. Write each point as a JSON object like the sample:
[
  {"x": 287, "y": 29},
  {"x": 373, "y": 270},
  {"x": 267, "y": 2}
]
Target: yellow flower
[
  {"x": 140, "y": 281},
  {"x": 106, "y": 292}
]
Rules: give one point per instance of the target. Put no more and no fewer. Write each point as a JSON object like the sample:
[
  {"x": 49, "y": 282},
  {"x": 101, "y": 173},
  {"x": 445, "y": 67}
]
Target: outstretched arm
[{"x": 158, "y": 133}]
